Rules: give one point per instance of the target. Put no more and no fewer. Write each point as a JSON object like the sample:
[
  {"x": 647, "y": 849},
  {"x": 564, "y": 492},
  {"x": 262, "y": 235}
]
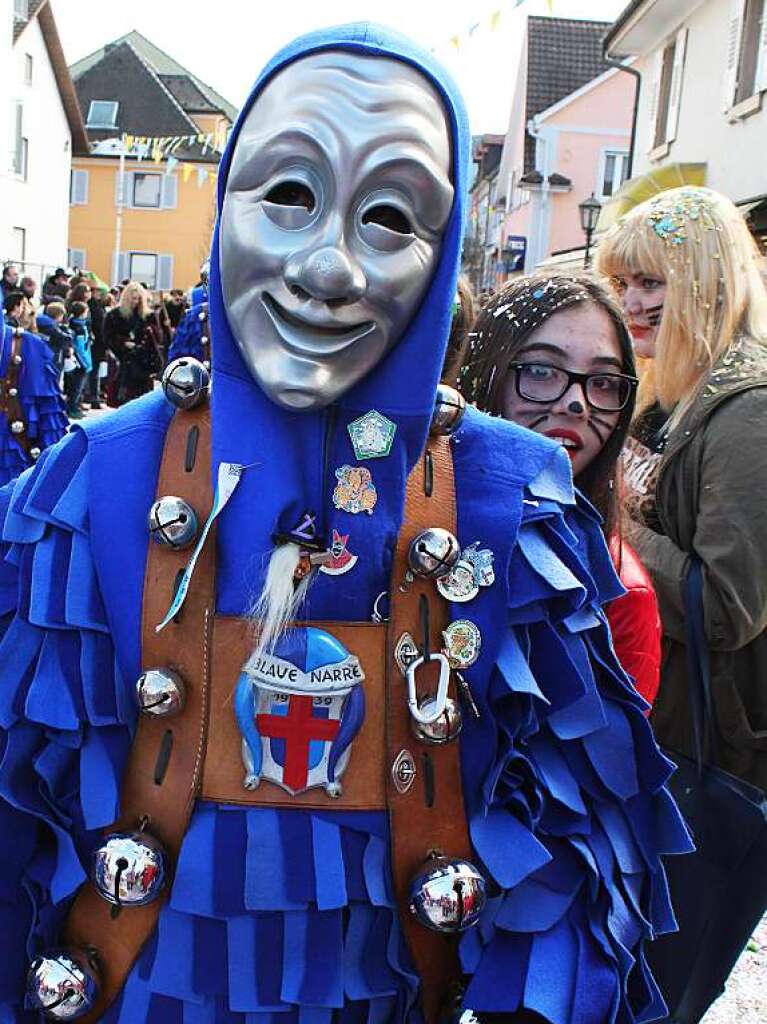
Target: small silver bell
[
  {"x": 160, "y": 692},
  {"x": 13, "y": 392},
  {"x": 433, "y": 553},
  {"x": 34, "y": 453},
  {"x": 129, "y": 869},
  {"x": 17, "y": 360},
  {"x": 444, "y": 729},
  {"x": 448, "y": 895},
  {"x": 185, "y": 382},
  {"x": 172, "y": 522},
  {"x": 449, "y": 407},
  {"x": 17, "y": 427},
  {"x": 63, "y": 984}
]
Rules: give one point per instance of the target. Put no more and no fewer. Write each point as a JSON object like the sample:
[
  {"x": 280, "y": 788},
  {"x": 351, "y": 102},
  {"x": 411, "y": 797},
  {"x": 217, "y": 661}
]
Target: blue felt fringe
[
  {"x": 187, "y": 341},
  {"x": 287, "y": 916}
]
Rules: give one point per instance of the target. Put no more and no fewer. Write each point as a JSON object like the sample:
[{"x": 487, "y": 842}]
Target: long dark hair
[{"x": 499, "y": 332}]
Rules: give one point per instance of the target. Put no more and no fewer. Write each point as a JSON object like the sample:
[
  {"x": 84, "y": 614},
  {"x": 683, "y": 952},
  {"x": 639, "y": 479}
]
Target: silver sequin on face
[{"x": 336, "y": 202}]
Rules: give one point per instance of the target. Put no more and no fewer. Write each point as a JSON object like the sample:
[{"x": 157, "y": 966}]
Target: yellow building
[{"x": 155, "y": 223}]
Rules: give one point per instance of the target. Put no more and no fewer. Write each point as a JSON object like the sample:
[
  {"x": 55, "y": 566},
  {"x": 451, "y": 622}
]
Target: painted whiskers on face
[{"x": 654, "y": 315}]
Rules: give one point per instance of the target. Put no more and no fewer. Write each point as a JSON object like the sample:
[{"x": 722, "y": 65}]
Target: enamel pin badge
[
  {"x": 372, "y": 436},
  {"x": 341, "y": 559},
  {"x": 298, "y": 710},
  {"x": 463, "y": 642},
  {"x": 355, "y": 491},
  {"x": 474, "y": 569}
]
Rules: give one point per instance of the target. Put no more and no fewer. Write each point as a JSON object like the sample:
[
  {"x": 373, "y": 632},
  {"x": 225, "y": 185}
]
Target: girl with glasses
[{"x": 553, "y": 354}]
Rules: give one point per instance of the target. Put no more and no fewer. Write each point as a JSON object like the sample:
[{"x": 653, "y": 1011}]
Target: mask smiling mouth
[{"x": 308, "y": 338}]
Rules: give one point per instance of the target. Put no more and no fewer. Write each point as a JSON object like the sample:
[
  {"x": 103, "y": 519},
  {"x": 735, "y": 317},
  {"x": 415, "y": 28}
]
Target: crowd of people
[
  {"x": 109, "y": 344},
  {"x": 651, "y": 375}
]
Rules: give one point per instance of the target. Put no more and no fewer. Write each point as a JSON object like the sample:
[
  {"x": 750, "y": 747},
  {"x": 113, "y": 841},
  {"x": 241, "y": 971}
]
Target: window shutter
[
  {"x": 734, "y": 39},
  {"x": 169, "y": 191},
  {"x": 79, "y": 188},
  {"x": 675, "y": 94},
  {"x": 164, "y": 272},
  {"x": 127, "y": 188},
  {"x": 120, "y": 271},
  {"x": 761, "y": 66},
  {"x": 657, "y": 75}
]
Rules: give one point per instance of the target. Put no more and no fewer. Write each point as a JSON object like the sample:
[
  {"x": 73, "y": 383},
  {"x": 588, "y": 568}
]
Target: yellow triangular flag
[
  {"x": 495, "y": 20},
  {"x": 456, "y": 42},
  {"x": 550, "y": 6},
  {"x": 129, "y": 140},
  {"x": 186, "y": 171}
]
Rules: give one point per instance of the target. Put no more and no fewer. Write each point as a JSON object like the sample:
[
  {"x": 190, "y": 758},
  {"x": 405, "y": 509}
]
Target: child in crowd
[
  {"x": 74, "y": 380},
  {"x": 13, "y": 308},
  {"x": 52, "y": 327}
]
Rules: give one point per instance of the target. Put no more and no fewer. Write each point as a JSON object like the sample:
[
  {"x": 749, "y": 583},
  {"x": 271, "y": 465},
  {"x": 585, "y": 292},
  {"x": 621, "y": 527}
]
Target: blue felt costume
[
  {"x": 281, "y": 916},
  {"x": 41, "y": 401},
  {"x": 187, "y": 341}
]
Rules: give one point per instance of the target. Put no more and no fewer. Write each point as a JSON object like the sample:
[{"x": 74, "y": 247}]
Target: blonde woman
[
  {"x": 130, "y": 333},
  {"x": 688, "y": 272}
]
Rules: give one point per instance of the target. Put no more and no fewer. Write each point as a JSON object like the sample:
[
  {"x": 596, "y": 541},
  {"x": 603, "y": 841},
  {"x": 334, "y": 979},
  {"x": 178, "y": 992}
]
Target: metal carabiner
[{"x": 437, "y": 708}]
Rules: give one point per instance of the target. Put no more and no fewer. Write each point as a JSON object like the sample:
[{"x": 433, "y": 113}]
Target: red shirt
[{"x": 635, "y": 621}]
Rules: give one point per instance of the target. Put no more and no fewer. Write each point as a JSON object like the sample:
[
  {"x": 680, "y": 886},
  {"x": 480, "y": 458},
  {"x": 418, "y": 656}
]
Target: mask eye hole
[
  {"x": 292, "y": 193},
  {"x": 389, "y": 217}
]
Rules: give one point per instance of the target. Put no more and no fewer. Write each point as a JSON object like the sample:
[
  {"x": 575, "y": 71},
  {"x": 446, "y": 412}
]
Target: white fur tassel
[{"x": 279, "y": 600}]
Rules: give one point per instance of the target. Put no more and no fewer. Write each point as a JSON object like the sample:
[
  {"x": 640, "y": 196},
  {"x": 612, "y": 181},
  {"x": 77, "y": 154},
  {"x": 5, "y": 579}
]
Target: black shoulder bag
[{"x": 719, "y": 892}]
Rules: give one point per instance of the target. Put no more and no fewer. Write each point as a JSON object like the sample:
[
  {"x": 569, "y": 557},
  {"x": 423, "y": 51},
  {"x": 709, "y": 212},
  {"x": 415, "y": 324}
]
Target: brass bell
[
  {"x": 172, "y": 522},
  {"x": 63, "y": 984},
  {"x": 444, "y": 728},
  {"x": 129, "y": 869},
  {"x": 160, "y": 692},
  {"x": 449, "y": 407},
  {"x": 17, "y": 427},
  {"x": 433, "y": 553},
  {"x": 448, "y": 895},
  {"x": 185, "y": 382}
]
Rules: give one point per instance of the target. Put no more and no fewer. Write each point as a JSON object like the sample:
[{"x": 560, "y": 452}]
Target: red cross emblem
[{"x": 298, "y": 728}]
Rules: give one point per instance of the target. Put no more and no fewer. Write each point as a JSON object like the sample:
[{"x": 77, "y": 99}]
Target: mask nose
[{"x": 327, "y": 274}]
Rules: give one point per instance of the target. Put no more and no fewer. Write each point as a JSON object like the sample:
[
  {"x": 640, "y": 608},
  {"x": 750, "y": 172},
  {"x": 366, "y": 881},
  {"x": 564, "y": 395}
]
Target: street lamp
[{"x": 589, "y": 211}]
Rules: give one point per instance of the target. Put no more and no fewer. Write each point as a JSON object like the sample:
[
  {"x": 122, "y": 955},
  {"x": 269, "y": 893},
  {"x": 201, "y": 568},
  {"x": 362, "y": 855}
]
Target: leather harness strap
[
  {"x": 167, "y": 768},
  {"x": 430, "y": 815},
  {"x": 10, "y": 402},
  {"x": 163, "y": 773}
]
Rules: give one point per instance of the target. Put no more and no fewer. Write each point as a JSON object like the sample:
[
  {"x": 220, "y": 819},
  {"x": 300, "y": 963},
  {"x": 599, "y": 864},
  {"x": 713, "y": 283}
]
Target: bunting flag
[
  {"x": 171, "y": 165},
  {"x": 186, "y": 171},
  {"x": 491, "y": 21},
  {"x": 202, "y": 176}
]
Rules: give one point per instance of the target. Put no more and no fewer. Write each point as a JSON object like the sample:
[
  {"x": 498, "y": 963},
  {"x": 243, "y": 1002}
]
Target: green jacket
[{"x": 712, "y": 500}]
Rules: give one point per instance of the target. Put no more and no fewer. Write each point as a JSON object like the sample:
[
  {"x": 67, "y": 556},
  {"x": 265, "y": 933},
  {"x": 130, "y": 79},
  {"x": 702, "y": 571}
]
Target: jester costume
[
  {"x": 33, "y": 418},
  {"x": 280, "y": 915}
]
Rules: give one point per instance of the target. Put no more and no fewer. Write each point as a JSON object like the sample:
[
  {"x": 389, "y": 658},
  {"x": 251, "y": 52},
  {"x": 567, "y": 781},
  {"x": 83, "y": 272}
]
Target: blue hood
[{"x": 288, "y": 447}]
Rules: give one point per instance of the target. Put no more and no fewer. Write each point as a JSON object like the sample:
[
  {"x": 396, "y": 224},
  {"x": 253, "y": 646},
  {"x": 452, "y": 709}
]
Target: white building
[
  {"x": 40, "y": 126},
  {"x": 702, "y": 100}
]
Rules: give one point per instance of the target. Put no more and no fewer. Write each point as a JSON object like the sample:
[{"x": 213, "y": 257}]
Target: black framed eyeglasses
[{"x": 542, "y": 382}]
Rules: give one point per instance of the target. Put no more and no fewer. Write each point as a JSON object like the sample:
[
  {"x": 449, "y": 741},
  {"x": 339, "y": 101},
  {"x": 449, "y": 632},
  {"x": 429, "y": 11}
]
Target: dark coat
[{"x": 711, "y": 496}]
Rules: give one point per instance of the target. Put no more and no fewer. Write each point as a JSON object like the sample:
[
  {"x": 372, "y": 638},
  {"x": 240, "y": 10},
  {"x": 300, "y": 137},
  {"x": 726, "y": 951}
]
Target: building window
[
  {"x": 76, "y": 259},
  {"x": 615, "y": 167},
  {"x": 102, "y": 114},
  {"x": 142, "y": 267},
  {"x": 19, "y": 236},
  {"x": 20, "y": 143},
  {"x": 664, "y": 94},
  {"x": 21, "y": 9},
  {"x": 147, "y": 190},
  {"x": 29, "y": 65},
  {"x": 751, "y": 40},
  {"x": 667, "y": 90},
  {"x": 78, "y": 188}
]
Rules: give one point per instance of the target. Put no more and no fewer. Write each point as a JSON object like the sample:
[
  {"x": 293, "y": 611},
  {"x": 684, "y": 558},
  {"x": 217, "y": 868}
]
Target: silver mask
[{"x": 336, "y": 201}]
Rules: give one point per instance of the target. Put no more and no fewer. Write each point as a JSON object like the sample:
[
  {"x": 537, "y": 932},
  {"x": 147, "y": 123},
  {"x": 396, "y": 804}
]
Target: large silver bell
[
  {"x": 448, "y": 895},
  {"x": 160, "y": 692},
  {"x": 446, "y": 726},
  {"x": 172, "y": 522},
  {"x": 433, "y": 553},
  {"x": 185, "y": 382},
  {"x": 129, "y": 869},
  {"x": 449, "y": 407},
  {"x": 63, "y": 984}
]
